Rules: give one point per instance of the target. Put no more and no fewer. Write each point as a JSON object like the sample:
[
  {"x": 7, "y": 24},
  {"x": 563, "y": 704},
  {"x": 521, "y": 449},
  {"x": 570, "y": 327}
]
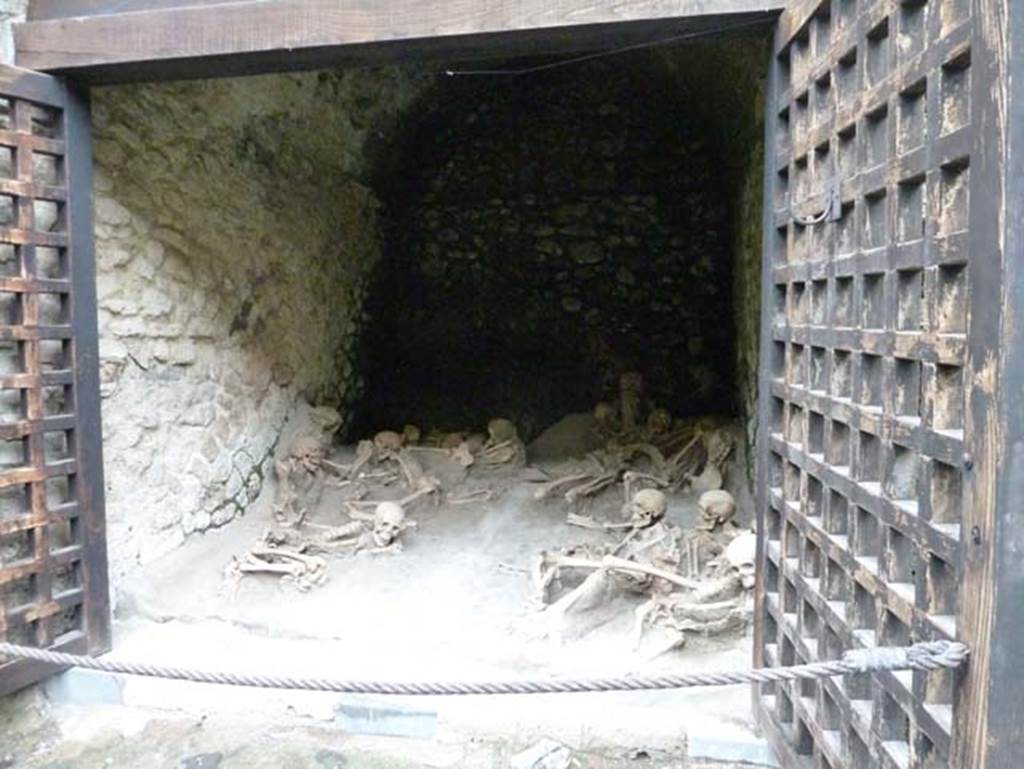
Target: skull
[
  {"x": 411, "y": 435},
  {"x": 502, "y": 430},
  {"x": 388, "y": 523},
  {"x": 387, "y": 443},
  {"x": 740, "y": 555},
  {"x": 659, "y": 422},
  {"x": 307, "y": 450},
  {"x": 647, "y": 507},
  {"x": 716, "y": 507}
]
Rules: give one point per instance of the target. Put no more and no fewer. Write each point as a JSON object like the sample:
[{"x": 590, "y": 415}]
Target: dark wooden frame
[
  {"x": 70, "y": 617},
  {"x": 991, "y": 724},
  {"x": 103, "y": 41},
  {"x": 986, "y": 721}
]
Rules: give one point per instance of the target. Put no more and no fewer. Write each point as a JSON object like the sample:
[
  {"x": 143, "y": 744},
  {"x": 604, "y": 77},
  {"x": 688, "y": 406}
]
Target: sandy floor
[
  {"x": 456, "y": 600},
  {"x": 35, "y": 735},
  {"x": 454, "y": 604}
]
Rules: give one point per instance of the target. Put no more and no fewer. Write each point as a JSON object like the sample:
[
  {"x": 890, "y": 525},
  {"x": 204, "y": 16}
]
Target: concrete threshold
[{"x": 582, "y": 722}]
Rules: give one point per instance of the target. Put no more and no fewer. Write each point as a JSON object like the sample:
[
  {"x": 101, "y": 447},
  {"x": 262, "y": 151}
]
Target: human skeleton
[{"x": 719, "y": 604}]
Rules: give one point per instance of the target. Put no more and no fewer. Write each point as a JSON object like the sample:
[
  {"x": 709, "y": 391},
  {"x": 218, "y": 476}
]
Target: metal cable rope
[
  {"x": 922, "y": 656},
  {"x": 696, "y": 35}
]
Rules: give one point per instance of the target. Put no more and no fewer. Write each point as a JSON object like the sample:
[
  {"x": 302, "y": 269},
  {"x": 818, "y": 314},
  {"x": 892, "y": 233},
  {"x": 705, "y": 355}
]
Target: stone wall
[
  {"x": 747, "y": 283},
  {"x": 727, "y": 81},
  {"x": 235, "y": 233},
  {"x": 550, "y": 232},
  {"x": 11, "y": 12}
]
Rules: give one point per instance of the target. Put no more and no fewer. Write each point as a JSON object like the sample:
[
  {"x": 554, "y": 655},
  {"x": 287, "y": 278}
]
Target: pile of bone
[
  {"x": 644, "y": 444},
  {"x": 295, "y": 547},
  {"x": 697, "y": 581}
]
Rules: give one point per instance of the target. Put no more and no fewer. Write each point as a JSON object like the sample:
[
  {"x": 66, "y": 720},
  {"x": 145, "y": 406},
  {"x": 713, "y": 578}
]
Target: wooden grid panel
[
  {"x": 41, "y": 538},
  {"x": 864, "y": 396}
]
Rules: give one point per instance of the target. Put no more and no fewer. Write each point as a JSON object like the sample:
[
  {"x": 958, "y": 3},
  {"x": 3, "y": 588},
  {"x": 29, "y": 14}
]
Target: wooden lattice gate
[
  {"x": 53, "y": 570},
  {"x": 881, "y": 402}
]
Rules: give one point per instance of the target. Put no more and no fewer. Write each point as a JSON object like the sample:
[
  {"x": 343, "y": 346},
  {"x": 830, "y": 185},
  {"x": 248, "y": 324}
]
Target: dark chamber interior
[{"x": 545, "y": 233}]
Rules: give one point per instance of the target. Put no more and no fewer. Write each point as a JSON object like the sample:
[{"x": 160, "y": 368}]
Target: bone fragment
[
  {"x": 550, "y": 488},
  {"x": 614, "y": 563},
  {"x": 586, "y": 522}
]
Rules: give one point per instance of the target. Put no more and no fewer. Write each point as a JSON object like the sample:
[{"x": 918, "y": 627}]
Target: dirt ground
[
  {"x": 35, "y": 735},
  {"x": 459, "y": 594},
  {"x": 456, "y": 603}
]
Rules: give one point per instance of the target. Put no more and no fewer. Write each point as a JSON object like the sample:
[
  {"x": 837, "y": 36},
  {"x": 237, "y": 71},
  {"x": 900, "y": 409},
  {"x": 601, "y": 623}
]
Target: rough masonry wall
[
  {"x": 235, "y": 233},
  {"x": 11, "y": 12},
  {"x": 548, "y": 233},
  {"x": 747, "y": 285},
  {"x": 727, "y": 82}
]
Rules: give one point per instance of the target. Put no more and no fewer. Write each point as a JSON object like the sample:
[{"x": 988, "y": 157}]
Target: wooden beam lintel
[{"x": 163, "y": 38}]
